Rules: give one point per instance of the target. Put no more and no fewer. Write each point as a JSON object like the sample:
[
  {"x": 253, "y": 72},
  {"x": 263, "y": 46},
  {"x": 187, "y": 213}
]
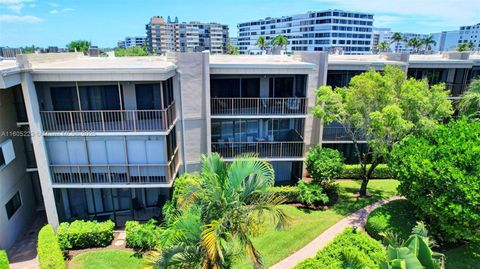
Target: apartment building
[
  {"x": 132, "y": 41},
  {"x": 470, "y": 34},
  {"x": 166, "y": 36},
  {"x": 344, "y": 31},
  {"x": 110, "y": 135}
]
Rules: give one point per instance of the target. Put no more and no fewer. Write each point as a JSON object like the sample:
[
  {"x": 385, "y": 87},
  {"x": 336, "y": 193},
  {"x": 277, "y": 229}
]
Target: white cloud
[
  {"x": 57, "y": 11},
  {"x": 14, "y": 5},
  {"x": 20, "y": 19}
]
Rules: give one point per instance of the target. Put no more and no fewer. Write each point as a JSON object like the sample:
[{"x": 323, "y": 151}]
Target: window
[
  {"x": 7, "y": 153},
  {"x": 13, "y": 205}
]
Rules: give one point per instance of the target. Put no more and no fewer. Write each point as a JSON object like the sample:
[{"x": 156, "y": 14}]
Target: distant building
[
  {"x": 330, "y": 30},
  {"x": 380, "y": 35},
  {"x": 470, "y": 34},
  {"x": 385, "y": 34},
  {"x": 233, "y": 41},
  {"x": 134, "y": 41},
  {"x": 121, "y": 44},
  {"x": 181, "y": 37},
  {"x": 9, "y": 53},
  {"x": 93, "y": 51},
  {"x": 445, "y": 40}
]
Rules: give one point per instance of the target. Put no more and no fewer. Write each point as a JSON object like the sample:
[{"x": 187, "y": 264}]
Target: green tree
[
  {"x": 469, "y": 104},
  {"x": 324, "y": 164},
  {"x": 382, "y": 109},
  {"x": 226, "y": 206},
  {"x": 397, "y": 37},
  {"x": 28, "y": 50},
  {"x": 133, "y": 51},
  {"x": 262, "y": 42},
  {"x": 428, "y": 42},
  {"x": 384, "y": 46},
  {"x": 232, "y": 50},
  {"x": 467, "y": 46},
  {"x": 416, "y": 43},
  {"x": 79, "y": 45},
  {"x": 280, "y": 41},
  {"x": 438, "y": 173}
]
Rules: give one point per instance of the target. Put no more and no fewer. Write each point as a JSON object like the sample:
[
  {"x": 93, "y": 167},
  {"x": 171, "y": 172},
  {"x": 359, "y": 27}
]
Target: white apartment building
[
  {"x": 345, "y": 31},
  {"x": 446, "y": 41},
  {"x": 385, "y": 34},
  {"x": 470, "y": 34},
  {"x": 169, "y": 36},
  {"x": 380, "y": 35}
]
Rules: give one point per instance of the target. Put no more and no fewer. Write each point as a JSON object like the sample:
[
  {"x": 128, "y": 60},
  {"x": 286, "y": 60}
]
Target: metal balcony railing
[
  {"x": 287, "y": 149},
  {"x": 258, "y": 106},
  {"x": 94, "y": 174},
  {"x": 335, "y": 134},
  {"x": 109, "y": 120}
]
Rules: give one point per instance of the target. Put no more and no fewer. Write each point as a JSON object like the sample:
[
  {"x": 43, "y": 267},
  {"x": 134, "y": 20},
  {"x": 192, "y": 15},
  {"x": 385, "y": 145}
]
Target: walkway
[
  {"x": 359, "y": 219},
  {"x": 23, "y": 254}
]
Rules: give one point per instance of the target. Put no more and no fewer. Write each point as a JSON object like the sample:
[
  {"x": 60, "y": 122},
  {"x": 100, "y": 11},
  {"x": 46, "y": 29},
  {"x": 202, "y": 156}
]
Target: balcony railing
[
  {"x": 338, "y": 134},
  {"x": 258, "y": 106},
  {"x": 93, "y": 174},
  {"x": 290, "y": 149},
  {"x": 109, "y": 120}
]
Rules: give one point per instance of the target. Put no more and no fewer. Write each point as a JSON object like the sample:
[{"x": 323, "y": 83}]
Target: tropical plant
[
  {"x": 142, "y": 236},
  {"x": 382, "y": 109},
  {"x": 280, "y": 41},
  {"x": 384, "y": 46},
  {"x": 416, "y": 43},
  {"x": 262, "y": 42},
  {"x": 226, "y": 206},
  {"x": 465, "y": 46},
  {"x": 428, "y": 42},
  {"x": 4, "y": 264},
  {"x": 133, "y": 51},
  {"x": 469, "y": 103},
  {"x": 324, "y": 164},
  {"x": 311, "y": 194},
  {"x": 438, "y": 173},
  {"x": 397, "y": 38},
  {"x": 232, "y": 50},
  {"x": 79, "y": 45}
]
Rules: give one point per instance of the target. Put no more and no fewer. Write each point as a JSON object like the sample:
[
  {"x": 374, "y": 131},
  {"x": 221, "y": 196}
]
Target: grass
[
  {"x": 464, "y": 257},
  {"x": 305, "y": 225},
  {"x": 106, "y": 259}
]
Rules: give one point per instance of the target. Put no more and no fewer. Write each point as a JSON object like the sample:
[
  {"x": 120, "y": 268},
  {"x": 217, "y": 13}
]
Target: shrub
[
  {"x": 85, "y": 234},
  {"x": 311, "y": 194},
  {"x": 439, "y": 174},
  {"x": 49, "y": 253},
  {"x": 382, "y": 171},
  {"x": 324, "y": 164},
  {"x": 349, "y": 244},
  {"x": 3, "y": 260},
  {"x": 142, "y": 236},
  {"x": 290, "y": 193},
  {"x": 395, "y": 217}
]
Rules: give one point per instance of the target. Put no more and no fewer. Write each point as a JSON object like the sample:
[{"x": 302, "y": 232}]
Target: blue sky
[{"x": 103, "y": 22}]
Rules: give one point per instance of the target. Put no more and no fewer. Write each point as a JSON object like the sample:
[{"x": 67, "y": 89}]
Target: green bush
[
  {"x": 382, "y": 171},
  {"x": 311, "y": 194},
  {"x": 395, "y": 217},
  {"x": 49, "y": 253},
  {"x": 3, "y": 260},
  {"x": 349, "y": 244},
  {"x": 324, "y": 164},
  {"x": 85, "y": 234},
  {"x": 439, "y": 174},
  {"x": 142, "y": 236},
  {"x": 290, "y": 193}
]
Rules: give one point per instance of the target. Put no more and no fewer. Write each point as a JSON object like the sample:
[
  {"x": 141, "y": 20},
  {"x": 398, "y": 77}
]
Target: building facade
[
  {"x": 132, "y": 41},
  {"x": 470, "y": 34},
  {"x": 166, "y": 36},
  {"x": 345, "y": 31}
]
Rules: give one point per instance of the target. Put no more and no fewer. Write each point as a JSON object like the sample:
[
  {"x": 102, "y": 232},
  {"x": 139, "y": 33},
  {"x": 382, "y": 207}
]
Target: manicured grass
[
  {"x": 307, "y": 224},
  {"x": 106, "y": 259},
  {"x": 465, "y": 257}
]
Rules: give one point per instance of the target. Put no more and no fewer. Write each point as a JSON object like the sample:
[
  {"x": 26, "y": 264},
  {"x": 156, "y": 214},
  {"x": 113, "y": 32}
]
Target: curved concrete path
[{"x": 359, "y": 219}]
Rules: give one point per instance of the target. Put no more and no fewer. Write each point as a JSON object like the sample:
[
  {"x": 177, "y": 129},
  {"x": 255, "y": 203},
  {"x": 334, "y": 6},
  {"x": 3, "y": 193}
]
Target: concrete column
[
  {"x": 206, "y": 90},
  {"x": 35, "y": 123}
]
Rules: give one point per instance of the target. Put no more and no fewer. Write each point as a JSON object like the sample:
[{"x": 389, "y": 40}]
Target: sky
[{"x": 103, "y": 22}]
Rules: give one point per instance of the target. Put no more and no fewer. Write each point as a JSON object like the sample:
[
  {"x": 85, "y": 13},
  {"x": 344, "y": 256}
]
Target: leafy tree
[
  {"x": 324, "y": 164},
  {"x": 382, "y": 109},
  {"x": 397, "y": 37},
  {"x": 465, "y": 46},
  {"x": 469, "y": 103},
  {"x": 311, "y": 194},
  {"x": 27, "y": 49},
  {"x": 232, "y": 50},
  {"x": 384, "y": 46},
  {"x": 428, "y": 42},
  {"x": 416, "y": 43},
  {"x": 262, "y": 42},
  {"x": 79, "y": 45},
  {"x": 280, "y": 41},
  {"x": 133, "y": 51},
  {"x": 226, "y": 206},
  {"x": 438, "y": 173}
]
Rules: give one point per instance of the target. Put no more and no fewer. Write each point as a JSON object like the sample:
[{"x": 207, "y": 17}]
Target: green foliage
[
  {"x": 49, "y": 253},
  {"x": 4, "y": 260},
  {"x": 324, "y": 164},
  {"x": 280, "y": 41},
  {"x": 232, "y": 50},
  {"x": 346, "y": 247},
  {"x": 469, "y": 104},
  {"x": 29, "y": 49},
  {"x": 311, "y": 194},
  {"x": 428, "y": 42},
  {"x": 85, "y": 234},
  {"x": 144, "y": 236},
  {"x": 384, "y": 46},
  {"x": 465, "y": 46},
  {"x": 261, "y": 42},
  {"x": 438, "y": 173},
  {"x": 382, "y": 171},
  {"x": 289, "y": 193},
  {"x": 395, "y": 217},
  {"x": 79, "y": 46},
  {"x": 133, "y": 51}
]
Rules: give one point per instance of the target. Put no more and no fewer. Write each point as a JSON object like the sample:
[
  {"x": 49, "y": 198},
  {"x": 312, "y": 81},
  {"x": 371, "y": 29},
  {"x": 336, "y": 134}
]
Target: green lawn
[
  {"x": 106, "y": 259},
  {"x": 307, "y": 224},
  {"x": 465, "y": 257}
]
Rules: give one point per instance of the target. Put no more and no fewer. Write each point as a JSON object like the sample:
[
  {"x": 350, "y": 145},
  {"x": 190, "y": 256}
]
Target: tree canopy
[
  {"x": 79, "y": 45},
  {"x": 133, "y": 51},
  {"x": 469, "y": 104}
]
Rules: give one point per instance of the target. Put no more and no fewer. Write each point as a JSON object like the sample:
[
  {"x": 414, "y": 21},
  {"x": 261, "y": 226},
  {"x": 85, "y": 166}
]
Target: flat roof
[
  {"x": 362, "y": 59},
  {"x": 8, "y": 65},
  {"x": 257, "y": 61}
]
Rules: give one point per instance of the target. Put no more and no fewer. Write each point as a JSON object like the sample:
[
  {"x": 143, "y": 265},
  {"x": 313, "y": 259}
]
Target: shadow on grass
[{"x": 348, "y": 202}]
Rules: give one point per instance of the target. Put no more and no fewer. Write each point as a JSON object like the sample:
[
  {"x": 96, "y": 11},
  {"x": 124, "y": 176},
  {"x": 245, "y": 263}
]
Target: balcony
[
  {"x": 336, "y": 133},
  {"x": 284, "y": 149},
  {"x": 109, "y": 120},
  {"x": 258, "y": 106}
]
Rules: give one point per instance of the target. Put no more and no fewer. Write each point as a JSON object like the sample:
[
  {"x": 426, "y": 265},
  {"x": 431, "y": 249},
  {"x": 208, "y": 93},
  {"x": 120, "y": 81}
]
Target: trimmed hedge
[
  {"x": 396, "y": 217},
  {"x": 4, "y": 260},
  {"x": 142, "y": 236},
  {"x": 366, "y": 250},
  {"x": 85, "y": 234},
  {"x": 353, "y": 171},
  {"x": 49, "y": 253},
  {"x": 290, "y": 193}
]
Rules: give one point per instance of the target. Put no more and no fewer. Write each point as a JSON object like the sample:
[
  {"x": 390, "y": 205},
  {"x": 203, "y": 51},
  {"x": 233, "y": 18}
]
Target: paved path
[{"x": 359, "y": 219}]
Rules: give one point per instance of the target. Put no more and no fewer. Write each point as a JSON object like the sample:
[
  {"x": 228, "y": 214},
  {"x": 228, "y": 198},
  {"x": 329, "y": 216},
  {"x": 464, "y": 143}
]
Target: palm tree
[
  {"x": 469, "y": 104},
  {"x": 465, "y": 46},
  {"x": 416, "y": 43},
  {"x": 428, "y": 42},
  {"x": 397, "y": 37},
  {"x": 280, "y": 41},
  {"x": 79, "y": 45},
  {"x": 384, "y": 46},
  {"x": 226, "y": 206},
  {"x": 262, "y": 43}
]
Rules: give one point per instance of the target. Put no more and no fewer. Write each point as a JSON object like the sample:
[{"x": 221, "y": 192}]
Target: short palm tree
[
  {"x": 280, "y": 41},
  {"x": 464, "y": 46},
  {"x": 262, "y": 42},
  {"x": 428, "y": 42},
  {"x": 397, "y": 37},
  {"x": 469, "y": 104},
  {"x": 384, "y": 46},
  {"x": 226, "y": 206}
]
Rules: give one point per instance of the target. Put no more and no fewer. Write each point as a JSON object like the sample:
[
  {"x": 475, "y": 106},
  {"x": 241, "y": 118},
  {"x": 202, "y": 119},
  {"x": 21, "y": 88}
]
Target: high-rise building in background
[
  {"x": 9, "y": 53},
  {"x": 233, "y": 41},
  {"x": 445, "y": 40},
  {"x": 470, "y": 34},
  {"x": 164, "y": 36},
  {"x": 135, "y": 41},
  {"x": 350, "y": 32}
]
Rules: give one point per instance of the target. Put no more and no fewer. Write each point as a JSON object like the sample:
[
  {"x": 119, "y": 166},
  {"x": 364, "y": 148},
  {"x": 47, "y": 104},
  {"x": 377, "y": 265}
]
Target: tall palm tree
[
  {"x": 469, "y": 104},
  {"x": 262, "y": 42},
  {"x": 280, "y": 41},
  {"x": 384, "y": 46},
  {"x": 428, "y": 42},
  {"x": 397, "y": 37},
  {"x": 226, "y": 206},
  {"x": 416, "y": 43}
]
